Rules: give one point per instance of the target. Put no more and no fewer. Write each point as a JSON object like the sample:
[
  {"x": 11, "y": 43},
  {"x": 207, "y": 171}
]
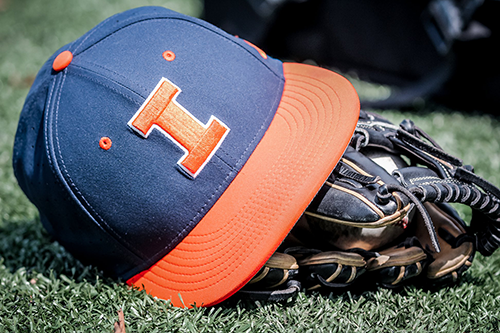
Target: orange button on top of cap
[{"x": 62, "y": 61}]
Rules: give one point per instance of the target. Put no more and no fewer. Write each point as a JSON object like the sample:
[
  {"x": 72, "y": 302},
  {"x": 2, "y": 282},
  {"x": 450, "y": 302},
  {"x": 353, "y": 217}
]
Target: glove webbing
[
  {"x": 435, "y": 189},
  {"x": 459, "y": 182}
]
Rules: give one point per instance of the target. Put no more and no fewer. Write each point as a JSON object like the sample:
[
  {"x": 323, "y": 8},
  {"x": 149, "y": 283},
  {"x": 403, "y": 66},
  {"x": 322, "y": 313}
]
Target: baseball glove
[
  {"x": 434, "y": 176},
  {"x": 386, "y": 204},
  {"x": 384, "y": 216}
]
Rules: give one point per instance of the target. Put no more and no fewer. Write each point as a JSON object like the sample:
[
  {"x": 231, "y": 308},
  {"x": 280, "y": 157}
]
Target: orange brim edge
[{"x": 307, "y": 137}]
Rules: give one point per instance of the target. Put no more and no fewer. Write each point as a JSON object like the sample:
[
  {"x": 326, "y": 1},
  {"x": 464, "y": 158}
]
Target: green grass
[{"x": 44, "y": 289}]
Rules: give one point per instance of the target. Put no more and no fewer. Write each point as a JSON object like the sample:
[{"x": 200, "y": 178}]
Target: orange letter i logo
[{"x": 161, "y": 111}]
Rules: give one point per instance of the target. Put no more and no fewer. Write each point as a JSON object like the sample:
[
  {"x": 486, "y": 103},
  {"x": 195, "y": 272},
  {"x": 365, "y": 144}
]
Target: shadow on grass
[
  {"x": 364, "y": 289},
  {"x": 27, "y": 245}
]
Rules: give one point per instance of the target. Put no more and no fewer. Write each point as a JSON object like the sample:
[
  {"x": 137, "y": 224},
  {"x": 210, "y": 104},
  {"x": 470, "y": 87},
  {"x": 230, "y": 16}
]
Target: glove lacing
[{"x": 421, "y": 209}]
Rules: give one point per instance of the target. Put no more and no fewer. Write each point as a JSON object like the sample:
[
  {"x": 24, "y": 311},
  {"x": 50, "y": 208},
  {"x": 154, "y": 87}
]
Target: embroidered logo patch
[{"x": 163, "y": 112}]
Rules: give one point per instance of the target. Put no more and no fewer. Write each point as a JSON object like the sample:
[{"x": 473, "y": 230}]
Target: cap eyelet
[
  {"x": 168, "y": 55},
  {"x": 105, "y": 143}
]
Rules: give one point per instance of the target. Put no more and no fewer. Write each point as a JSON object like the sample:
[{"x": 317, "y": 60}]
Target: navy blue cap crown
[{"x": 103, "y": 189}]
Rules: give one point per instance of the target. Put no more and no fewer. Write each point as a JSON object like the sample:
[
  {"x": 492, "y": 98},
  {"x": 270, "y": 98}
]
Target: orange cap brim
[{"x": 307, "y": 137}]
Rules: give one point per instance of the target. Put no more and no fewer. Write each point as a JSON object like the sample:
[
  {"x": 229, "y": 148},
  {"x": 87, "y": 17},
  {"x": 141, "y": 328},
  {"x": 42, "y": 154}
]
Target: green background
[{"x": 44, "y": 289}]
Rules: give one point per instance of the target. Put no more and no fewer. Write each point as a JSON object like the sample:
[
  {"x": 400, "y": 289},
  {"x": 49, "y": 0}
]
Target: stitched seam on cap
[
  {"x": 233, "y": 43},
  {"x": 59, "y": 177},
  {"x": 72, "y": 185},
  {"x": 243, "y": 155},
  {"x": 200, "y": 211},
  {"x": 88, "y": 77},
  {"x": 83, "y": 61},
  {"x": 184, "y": 20}
]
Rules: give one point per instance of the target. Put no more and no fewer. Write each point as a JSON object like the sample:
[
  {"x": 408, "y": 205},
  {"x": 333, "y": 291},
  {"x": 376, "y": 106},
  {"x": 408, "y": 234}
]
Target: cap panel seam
[
  {"x": 88, "y": 206},
  {"x": 243, "y": 46},
  {"x": 80, "y": 62},
  {"x": 146, "y": 93},
  {"x": 225, "y": 182},
  {"x": 67, "y": 178},
  {"x": 183, "y": 234},
  {"x": 183, "y": 20},
  {"x": 89, "y": 77}
]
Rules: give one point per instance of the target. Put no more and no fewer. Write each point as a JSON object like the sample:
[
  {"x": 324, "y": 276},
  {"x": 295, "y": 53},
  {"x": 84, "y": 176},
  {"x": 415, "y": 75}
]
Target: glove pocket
[{"x": 457, "y": 248}]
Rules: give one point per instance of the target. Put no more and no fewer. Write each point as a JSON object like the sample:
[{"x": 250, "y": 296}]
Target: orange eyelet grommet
[
  {"x": 105, "y": 143},
  {"x": 169, "y": 55}
]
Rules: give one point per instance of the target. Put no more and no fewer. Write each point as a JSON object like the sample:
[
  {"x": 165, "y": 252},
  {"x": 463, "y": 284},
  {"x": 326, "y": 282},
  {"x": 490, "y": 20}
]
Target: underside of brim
[{"x": 307, "y": 137}]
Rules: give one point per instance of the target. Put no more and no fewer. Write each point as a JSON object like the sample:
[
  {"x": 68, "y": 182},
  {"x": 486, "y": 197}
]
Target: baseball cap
[{"x": 175, "y": 156}]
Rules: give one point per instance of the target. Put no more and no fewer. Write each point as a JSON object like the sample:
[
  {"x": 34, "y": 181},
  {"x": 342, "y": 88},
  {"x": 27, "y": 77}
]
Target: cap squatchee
[{"x": 175, "y": 156}]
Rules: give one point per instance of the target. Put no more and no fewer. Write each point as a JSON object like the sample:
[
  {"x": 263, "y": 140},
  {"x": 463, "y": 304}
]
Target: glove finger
[
  {"x": 331, "y": 269},
  {"x": 275, "y": 273},
  {"x": 396, "y": 265}
]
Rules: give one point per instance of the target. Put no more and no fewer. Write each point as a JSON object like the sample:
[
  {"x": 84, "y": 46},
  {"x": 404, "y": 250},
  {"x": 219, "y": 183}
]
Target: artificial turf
[{"x": 44, "y": 289}]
